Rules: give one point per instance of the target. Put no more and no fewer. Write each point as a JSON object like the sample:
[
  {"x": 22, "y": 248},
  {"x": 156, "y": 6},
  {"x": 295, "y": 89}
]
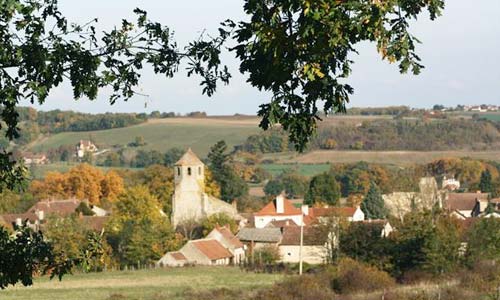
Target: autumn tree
[
  {"x": 138, "y": 229},
  {"x": 81, "y": 182}
]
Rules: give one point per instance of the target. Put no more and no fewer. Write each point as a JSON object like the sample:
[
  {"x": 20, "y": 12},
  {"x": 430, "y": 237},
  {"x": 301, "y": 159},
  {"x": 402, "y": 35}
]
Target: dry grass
[
  {"x": 385, "y": 157},
  {"x": 144, "y": 284}
]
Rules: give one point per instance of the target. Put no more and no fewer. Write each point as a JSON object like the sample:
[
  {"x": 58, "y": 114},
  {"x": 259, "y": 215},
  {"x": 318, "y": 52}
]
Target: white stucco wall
[
  {"x": 359, "y": 215},
  {"x": 310, "y": 254},
  {"x": 168, "y": 260},
  {"x": 262, "y": 221}
]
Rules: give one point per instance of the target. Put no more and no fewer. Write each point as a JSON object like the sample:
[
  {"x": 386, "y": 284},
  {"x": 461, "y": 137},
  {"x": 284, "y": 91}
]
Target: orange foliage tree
[{"x": 81, "y": 182}]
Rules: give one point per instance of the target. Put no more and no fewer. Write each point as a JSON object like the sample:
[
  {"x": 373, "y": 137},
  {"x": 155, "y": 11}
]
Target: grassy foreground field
[{"x": 159, "y": 284}]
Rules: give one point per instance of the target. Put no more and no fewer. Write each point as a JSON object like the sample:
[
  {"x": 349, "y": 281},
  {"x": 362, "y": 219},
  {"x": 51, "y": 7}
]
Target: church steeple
[{"x": 189, "y": 173}]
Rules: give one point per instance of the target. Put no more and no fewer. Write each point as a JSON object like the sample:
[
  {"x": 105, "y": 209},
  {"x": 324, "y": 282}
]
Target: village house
[
  {"x": 35, "y": 159},
  {"x": 280, "y": 209},
  {"x": 481, "y": 207},
  {"x": 462, "y": 204},
  {"x": 85, "y": 146},
  {"x": 450, "y": 184},
  {"x": 256, "y": 238},
  {"x": 224, "y": 236},
  {"x": 36, "y": 215},
  {"x": 219, "y": 247},
  {"x": 314, "y": 245},
  {"x": 383, "y": 226},
  {"x": 190, "y": 202},
  {"x": 350, "y": 214}
]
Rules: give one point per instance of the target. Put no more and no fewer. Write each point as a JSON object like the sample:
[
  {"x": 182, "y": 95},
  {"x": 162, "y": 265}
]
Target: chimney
[
  {"x": 280, "y": 204},
  {"x": 40, "y": 214},
  {"x": 234, "y": 204},
  {"x": 305, "y": 210}
]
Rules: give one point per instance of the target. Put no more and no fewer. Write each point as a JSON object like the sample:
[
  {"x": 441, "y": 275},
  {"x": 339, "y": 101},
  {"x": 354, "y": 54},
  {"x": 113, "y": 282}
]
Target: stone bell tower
[{"x": 189, "y": 180}]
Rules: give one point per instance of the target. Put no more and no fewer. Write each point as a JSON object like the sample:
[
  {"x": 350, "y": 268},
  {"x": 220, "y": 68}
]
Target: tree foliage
[
  {"x": 40, "y": 48},
  {"x": 300, "y": 51},
  {"x": 373, "y": 205},
  {"x": 25, "y": 253},
  {"x": 231, "y": 185},
  {"x": 324, "y": 189},
  {"x": 138, "y": 231}
]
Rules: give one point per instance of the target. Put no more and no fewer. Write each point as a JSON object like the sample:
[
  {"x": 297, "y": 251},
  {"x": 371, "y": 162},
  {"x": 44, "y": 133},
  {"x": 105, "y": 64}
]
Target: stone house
[
  {"x": 463, "y": 203},
  {"x": 209, "y": 252},
  {"x": 190, "y": 202},
  {"x": 173, "y": 259},
  {"x": 314, "y": 245},
  {"x": 256, "y": 238},
  {"x": 224, "y": 236}
]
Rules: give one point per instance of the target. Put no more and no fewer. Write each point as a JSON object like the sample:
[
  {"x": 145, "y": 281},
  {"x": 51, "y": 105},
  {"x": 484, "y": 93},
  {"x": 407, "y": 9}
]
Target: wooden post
[{"x": 301, "y": 244}]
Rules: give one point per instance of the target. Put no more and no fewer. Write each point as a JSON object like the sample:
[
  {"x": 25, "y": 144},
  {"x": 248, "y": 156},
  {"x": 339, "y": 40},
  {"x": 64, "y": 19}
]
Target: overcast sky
[{"x": 460, "y": 51}]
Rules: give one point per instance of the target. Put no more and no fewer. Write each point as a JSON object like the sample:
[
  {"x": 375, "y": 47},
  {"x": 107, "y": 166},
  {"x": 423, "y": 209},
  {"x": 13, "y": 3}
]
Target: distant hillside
[{"x": 162, "y": 134}]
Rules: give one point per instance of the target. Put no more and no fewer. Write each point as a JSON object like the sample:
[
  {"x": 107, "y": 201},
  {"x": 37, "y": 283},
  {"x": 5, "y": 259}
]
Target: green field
[
  {"x": 303, "y": 169},
  {"x": 158, "y": 284},
  {"x": 199, "y": 134}
]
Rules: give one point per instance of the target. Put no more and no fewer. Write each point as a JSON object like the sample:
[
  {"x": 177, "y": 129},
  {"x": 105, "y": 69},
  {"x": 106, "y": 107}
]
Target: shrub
[
  {"x": 266, "y": 255},
  {"x": 306, "y": 287},
  {"x": 483, "y": 277},
  {"x": 352, "y": 276}
]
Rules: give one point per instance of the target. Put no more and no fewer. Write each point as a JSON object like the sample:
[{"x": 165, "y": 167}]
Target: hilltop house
[
  {"x": 35, "y": 159},
  {"x": 190, "y": 202},
  {"x": 85, "y": 146}
]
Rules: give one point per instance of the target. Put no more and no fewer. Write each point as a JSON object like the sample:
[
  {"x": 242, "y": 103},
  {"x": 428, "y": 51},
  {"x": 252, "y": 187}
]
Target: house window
[
  {"x": 289, "y": 254},
  {"x": 199, "y": 170},
  {"x": 189, "y": 171},
  {"x": 179, "y": 171}
]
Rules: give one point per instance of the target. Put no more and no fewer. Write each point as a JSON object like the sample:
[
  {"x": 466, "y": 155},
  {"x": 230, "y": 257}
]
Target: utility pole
[{"x": 301, "y": 244}]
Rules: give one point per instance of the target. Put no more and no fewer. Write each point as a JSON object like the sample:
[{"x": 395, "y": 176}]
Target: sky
[{"x": 460, "y": 51}]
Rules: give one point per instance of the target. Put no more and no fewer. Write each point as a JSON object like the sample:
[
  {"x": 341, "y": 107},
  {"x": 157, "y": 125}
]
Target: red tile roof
[
  {"x": 59, "y": 207},
  {"x": 230, "y": 237},
  {"x": 178, "y": 255},
  {"x": 270, "y": 209},
  {"x": 332, "y": 211},
  {"x": 463, "y": 201},
  {"x": 94, "y": 222},
  {"x": 212, "y": 249},
  {"x": 283, "y": 223}
]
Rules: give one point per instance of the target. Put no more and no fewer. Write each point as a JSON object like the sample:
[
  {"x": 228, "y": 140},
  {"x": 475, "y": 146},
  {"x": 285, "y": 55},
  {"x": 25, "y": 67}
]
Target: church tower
[{"x": 189, "y": 180}]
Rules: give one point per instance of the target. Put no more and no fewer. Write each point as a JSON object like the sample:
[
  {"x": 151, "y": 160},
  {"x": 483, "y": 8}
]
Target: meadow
[
  {"x": 155, "y": 284},
  {"x": 161, "y": 135}
]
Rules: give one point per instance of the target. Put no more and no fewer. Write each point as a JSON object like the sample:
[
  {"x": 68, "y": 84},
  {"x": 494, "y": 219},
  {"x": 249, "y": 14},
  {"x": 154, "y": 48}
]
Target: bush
[
  {"x": 352, "y": 276},
  {"x": 483, "y": 277},
  {"x": 306, "y": 287},
  {"x": 266, "y": 255}
]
